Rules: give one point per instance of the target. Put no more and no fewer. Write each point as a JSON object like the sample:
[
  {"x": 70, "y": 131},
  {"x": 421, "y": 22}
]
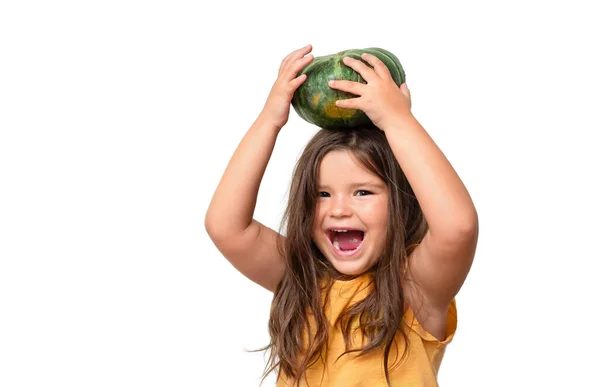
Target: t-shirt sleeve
[{"x": 451, "y": 324}]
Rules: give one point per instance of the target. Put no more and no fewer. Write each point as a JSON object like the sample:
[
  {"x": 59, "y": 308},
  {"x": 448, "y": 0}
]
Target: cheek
[
  {"x": 376, "y": 214},
  {"x": 317, "y": 222}
]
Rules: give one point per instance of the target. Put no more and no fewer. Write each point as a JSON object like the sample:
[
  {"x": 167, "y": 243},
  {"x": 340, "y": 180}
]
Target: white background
[{"x": 117, "y": 119}]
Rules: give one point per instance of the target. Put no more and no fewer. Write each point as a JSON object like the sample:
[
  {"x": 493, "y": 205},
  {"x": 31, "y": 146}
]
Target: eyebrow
[{"x": 360, "y": 184}]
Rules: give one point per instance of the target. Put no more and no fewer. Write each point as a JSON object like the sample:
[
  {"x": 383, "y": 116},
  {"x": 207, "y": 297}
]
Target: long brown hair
[{"x": 298, "y": 326}]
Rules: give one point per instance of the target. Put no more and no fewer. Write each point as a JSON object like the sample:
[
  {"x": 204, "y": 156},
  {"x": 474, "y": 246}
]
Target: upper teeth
[{"x": 340, "y": 230}]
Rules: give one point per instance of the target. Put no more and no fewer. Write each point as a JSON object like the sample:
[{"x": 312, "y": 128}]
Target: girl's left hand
[{"x": 386, "y": 104}]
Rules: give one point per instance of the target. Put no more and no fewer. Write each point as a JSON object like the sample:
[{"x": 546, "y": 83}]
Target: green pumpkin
[{"x": 314, "y": 100}]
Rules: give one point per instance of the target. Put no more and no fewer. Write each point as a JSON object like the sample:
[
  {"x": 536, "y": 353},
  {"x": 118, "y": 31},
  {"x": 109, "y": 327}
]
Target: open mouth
[{"x": 346, "y": 241}]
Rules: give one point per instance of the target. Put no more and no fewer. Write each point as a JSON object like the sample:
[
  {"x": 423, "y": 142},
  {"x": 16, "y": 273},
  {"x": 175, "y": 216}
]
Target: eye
[
  {"x": 323, "y": 194},
  {"x": 363, "y": 192}
]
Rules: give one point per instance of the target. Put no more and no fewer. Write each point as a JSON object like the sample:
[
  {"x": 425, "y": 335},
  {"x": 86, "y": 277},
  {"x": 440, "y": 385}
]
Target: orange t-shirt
[{"x": 419, "y": 367}]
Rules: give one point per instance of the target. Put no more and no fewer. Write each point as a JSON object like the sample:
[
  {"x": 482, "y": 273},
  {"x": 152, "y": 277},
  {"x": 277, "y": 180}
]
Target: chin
[{"x": 350, "y": 267}]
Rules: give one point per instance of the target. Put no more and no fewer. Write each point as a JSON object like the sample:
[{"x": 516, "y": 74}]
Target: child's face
[{"x": 353, "y": 199}]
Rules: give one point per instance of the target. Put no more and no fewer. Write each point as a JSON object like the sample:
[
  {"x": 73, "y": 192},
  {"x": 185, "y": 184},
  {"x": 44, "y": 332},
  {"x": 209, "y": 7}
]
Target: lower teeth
[{"x": 337, "y": 246}]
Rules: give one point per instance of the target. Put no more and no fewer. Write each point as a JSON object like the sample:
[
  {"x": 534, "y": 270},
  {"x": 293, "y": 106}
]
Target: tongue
[{"x": 349, "y": 240}]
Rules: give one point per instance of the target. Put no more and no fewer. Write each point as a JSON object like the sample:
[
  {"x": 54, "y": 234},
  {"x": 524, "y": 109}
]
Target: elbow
[
  {"x": 212, "y": 226},
  {"x": 461, "y": 228},
  {"x": 222, "y": 230},
  {"x": 467, "y": 229},
  {"x": 469, "y": 225},
  {"x": 217, "y": 232}
]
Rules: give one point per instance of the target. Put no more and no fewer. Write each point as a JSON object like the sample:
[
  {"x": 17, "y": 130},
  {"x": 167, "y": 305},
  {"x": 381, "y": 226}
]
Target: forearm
[
  {"x": 233, "y": 203},
  {"x": 443, "y": 197}
]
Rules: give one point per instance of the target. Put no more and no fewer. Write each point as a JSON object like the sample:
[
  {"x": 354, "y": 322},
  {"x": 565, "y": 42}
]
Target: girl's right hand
[{"x": 277, "y": 107}]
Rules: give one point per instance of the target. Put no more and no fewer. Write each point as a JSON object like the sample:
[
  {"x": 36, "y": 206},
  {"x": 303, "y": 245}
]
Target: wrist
[
  {"x": 265, "y": 123},
  {"x": 404, "y": 122}
]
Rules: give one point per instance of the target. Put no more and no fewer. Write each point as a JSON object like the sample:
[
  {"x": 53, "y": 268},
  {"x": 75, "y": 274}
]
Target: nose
[{"x": 340, "y": 207}]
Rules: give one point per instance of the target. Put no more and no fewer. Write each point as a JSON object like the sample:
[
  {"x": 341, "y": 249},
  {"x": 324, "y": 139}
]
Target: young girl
[{"x": 380, "y": 236}]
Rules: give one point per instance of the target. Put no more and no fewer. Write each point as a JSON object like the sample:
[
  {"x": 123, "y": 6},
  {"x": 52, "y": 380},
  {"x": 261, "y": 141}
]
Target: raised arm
[
  {"x": 440, "y": 264},
  {"x": 248, "y": 245}
]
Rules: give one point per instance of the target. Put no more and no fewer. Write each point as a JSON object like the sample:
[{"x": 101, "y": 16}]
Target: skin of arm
[
  {"x": 248, "y": 245},
  {"x": 441, "y": 263}
]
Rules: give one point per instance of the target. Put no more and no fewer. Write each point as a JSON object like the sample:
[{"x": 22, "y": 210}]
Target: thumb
[
  {"x": 405, "y": 90},
  {"x": 406, "y": 93}
]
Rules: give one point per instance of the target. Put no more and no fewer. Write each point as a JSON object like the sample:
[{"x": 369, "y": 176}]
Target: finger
[
  {"x": 350, "y": 103},
  {"x": 360, "y": 67},
  {"x": 295, "y": 67},
  {"x": 406, "y": 92},
  {"x": 299, "y": 53},
  {"x": 296, "y": 82},
  {"x": 296, "y": 54},
  {"x": 348, "y": 86},
  {"x": 379, "y": 67}
]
